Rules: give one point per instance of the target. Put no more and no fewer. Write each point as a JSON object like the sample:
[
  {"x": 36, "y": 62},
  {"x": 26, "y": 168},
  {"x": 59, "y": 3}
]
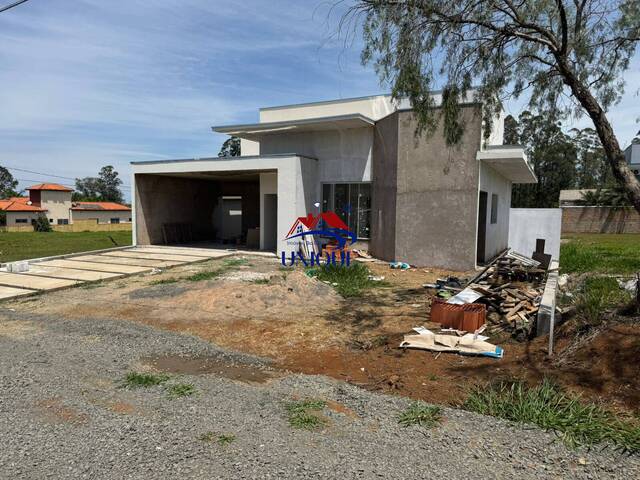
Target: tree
[
  {"x": 8, "y": 184},
  {"x": 105, "y": 187},
  {"x": 230, "y": 148},
  {"x": 552, "y": 154},
  {"x": 109, "y": 185},
  {"x": 592, "y": 170},
  {"x": 570, "y": 56},
  {"x": 511, "y": 136}
]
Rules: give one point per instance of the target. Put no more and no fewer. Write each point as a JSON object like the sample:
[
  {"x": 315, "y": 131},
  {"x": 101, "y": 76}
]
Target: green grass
[
  {"x": 597, "y": 295},
  {"x": 206, "y": 275},
  {"x": 228, "y": 264},
  {"x": 575, "y": 422},
  {"x": 226, "y": 439},
  {"x": 350, "y": 281},
  {"x": 303, "y": 414},
  {"x": 222, "y": 439},
  {"x": 26, "y": 245},
  {"x": 421, "y": 414},
  {"x": 181, "y": 390},
  {"x": 143, "y": 380},
  {"x": 164, "y": 281},
  {"x": 261, "y": 281},
  {"x": 601, "y": 253}
]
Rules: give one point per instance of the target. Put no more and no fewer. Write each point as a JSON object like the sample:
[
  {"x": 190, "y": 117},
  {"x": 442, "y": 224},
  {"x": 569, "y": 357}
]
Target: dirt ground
[{"x": 304, "y": 326}]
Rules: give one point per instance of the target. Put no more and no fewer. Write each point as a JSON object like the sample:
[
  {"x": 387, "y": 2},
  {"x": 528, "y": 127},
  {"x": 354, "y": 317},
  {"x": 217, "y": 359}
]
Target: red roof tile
[
  {"x": 50, "y": 186},
  {"x": 18, "y": 206},
  {"x": 99, "y": 206}
]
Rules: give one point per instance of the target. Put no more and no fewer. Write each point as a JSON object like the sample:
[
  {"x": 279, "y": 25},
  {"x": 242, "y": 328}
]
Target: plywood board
[
  {"x": 138, "y": 262},
  {"x": 93, "y": 266},
  {"x": 156, "y": 256},
  {"x": 69, "y": 273},
  {"x": 10, "y": 292},
  {"x": 32, "y": 282}
]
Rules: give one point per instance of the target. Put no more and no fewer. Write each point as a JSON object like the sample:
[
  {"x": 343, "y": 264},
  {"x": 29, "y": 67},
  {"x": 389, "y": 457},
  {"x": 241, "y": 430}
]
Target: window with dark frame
[
  {"x": 22, "y": 220},
  {"x": 352, "y": 203},
  {"x": 63, "y": 221},
  {"x": 494, "y": 208},
  {"x": 115, "y": 220}
]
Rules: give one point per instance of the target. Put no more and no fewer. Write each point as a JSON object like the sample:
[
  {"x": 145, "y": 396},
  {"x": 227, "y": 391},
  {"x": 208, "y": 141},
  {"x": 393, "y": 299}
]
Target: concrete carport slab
[
  {"x": 138, "y": 262},
  {"x": 155, "y": 256},
  {"x": 12, "y": 292},
  {"x": 177, "y": 251},
  {"x": 68, "y": 273},
  {"x": 98, "y": 267},
  {"x": 33, "y": 282}
]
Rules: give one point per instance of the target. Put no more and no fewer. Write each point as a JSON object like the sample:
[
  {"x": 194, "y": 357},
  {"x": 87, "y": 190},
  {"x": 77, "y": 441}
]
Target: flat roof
[
  {"x": 327, "y": 102},
  {"x": 218, "y": 159},
  {"x": 255, "y": 130}
]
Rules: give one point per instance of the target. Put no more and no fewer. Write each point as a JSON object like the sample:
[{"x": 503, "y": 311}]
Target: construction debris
[
  {"x": 400, "y": 265},
  {"x": 510, "y": 289},
  {"x": 465, "y": 345}
]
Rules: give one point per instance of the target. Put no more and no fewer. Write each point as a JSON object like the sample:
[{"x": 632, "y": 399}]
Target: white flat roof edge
[
  {"x": 287, "y": 123},
  {"x": 218, "y": 159}
]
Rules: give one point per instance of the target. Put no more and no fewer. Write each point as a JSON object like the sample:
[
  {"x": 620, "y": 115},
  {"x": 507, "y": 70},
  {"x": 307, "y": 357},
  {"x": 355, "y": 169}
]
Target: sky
[{"x": 88, "y": 83}]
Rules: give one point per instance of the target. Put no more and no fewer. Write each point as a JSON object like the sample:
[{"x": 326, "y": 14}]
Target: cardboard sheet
[{"x": 465, "y": 345}]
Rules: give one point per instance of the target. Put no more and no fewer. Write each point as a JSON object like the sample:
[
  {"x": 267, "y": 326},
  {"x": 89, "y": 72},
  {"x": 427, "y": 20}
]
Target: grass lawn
[
  {"x": 601, "y": 253},
  {"x": 25, "y": 245}
]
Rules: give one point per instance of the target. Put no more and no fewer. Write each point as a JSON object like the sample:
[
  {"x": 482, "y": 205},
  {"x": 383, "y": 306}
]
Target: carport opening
[{"x": 220, "y": 208}]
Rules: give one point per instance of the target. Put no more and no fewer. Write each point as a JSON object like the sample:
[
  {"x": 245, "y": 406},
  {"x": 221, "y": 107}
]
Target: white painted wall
[
  {"x": 527, "y": 224},
  {"x": 268, "y": 185},
  {"x": 57, "y": 203},
  {"x": 492, "y": 182},
  {"x": 249, "y": 148},
  {"x": 344, "y": 155},
  {"x": 13, "y": 216},
  {"x": 100, "y": 216}
]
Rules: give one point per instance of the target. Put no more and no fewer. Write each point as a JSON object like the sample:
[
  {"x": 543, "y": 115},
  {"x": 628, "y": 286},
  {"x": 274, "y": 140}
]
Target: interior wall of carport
[
  {"x": 497, "y": 234},
  {"x": 163, "y": 199}
]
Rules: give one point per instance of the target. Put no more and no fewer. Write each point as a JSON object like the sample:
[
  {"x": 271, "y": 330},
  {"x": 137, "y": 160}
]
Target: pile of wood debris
[{"x": 511, "y": 288}]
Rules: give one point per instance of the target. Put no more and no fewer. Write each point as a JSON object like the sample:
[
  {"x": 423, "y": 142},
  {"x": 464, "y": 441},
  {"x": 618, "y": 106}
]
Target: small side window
[
  {"x": 115, "y": 220},
  {"x": 494, "y": 208}
]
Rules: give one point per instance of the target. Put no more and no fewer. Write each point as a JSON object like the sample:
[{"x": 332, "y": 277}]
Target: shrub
[{"x": 41, "y": 224}]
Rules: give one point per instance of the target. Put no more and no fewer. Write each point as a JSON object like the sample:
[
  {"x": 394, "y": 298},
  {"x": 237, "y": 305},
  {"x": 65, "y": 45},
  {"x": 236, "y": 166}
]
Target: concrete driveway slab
[
  {"x": 177, "y": 251},
  {"x": 68, "y": 273},
  {"x": 34, "y": 283},
  {"x": 11, "y": 292},
  {"x": 138, "y": 262},
  {"x": 156, "y": 256},
  {"x": 98, "y": 267}
]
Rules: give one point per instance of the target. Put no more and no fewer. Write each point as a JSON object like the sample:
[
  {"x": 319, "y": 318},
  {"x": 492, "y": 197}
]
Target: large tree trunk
[{"x": 615, "y": 155}]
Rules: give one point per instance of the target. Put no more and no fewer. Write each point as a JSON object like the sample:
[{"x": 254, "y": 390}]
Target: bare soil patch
[{"x": 305, "y": 326}]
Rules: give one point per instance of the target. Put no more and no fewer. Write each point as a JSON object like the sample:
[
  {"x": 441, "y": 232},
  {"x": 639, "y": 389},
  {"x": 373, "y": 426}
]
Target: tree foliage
[
  {"x": 105, "y": 187},
  {"x": 561, "y": 160},
  {"x": 568, "y": 55},
  {"x": 41, "y": 224},
  {"x": 230, "y": 148},
  {"x": 8, "y": 184}
]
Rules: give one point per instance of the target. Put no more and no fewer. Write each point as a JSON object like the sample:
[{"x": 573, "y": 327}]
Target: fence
[
  {"x": 77, "y": 226},
  {"x": 600, "y": 220}
]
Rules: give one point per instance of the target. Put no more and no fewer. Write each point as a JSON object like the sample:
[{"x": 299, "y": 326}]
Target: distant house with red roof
[{"x": 54, "y": 201}]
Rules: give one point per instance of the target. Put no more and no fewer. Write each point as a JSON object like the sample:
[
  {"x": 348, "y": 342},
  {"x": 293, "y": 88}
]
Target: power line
[
  {"x": 14, "y": 4},
  {"x": 48, "y": 175}
]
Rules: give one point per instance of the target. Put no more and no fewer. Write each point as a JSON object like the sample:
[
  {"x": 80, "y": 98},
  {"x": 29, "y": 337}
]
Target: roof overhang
[
  {"x": 510, "y": 161},
  {"x": 253, "y": 131}
]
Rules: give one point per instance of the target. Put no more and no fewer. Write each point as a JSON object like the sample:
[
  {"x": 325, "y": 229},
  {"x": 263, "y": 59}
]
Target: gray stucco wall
[
  {"x": 384, "y": 188},
  {"x": 162, "y": 199},
  {"x": 344, "y": 155},
  {"x": 497, "y": 235},
  {"x": 437, "y": 194}
]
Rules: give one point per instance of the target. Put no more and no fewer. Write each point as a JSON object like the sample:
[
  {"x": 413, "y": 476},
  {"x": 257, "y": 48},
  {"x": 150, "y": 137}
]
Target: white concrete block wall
[
  {"x": 527, "y": 224},
  {"x": 497, "y": 235}
]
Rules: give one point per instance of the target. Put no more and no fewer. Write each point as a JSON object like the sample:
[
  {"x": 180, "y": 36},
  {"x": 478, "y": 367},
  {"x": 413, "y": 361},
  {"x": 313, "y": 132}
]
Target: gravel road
[{"x": 64, "y": 414}]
